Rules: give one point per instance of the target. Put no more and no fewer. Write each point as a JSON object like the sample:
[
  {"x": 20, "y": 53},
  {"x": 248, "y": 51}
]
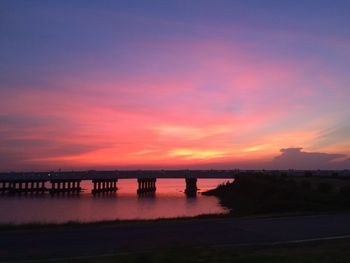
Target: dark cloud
[
  {"x": 32, "y": 154},
  {"x": 24, "y": 143},
  {"x": 22, "y": 121},
  {"x": 295, "y": 158},
  {"x": 46, "y": 148}
]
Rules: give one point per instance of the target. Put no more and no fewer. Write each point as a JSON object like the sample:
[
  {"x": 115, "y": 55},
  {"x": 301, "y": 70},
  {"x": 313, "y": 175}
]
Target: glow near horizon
[{"x": 125, "y": 85}]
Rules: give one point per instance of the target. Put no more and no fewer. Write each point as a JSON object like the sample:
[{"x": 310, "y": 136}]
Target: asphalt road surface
[{"x": 89, "y": 240}]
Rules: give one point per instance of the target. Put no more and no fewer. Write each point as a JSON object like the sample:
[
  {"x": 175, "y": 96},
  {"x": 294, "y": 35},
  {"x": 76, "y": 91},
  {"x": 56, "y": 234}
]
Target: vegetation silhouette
[{"x": 266, "y": 194}]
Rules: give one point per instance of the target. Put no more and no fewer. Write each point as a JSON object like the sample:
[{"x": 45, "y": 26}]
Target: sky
[{"x": 174, "y": 84}]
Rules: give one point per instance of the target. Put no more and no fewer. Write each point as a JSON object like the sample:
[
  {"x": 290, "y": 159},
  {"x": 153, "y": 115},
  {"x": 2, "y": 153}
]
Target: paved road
[{"x": 96, "y": 240}]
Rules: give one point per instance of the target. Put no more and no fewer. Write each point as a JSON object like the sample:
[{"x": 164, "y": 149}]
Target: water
[{"x": 168, "y": 202}]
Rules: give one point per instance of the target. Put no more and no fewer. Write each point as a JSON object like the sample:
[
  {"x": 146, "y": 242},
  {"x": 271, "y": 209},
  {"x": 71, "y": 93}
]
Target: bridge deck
[
  {"x": 169, "y": 174},
  {"x": 126, "y": 174}
]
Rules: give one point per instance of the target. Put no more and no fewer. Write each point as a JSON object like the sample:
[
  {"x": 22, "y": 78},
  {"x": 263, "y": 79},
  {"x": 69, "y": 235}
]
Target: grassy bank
[
  {"x": 336, "y": 251},
  {"x": 75, "y": 224},
  {"x": 258, "y": 194}
]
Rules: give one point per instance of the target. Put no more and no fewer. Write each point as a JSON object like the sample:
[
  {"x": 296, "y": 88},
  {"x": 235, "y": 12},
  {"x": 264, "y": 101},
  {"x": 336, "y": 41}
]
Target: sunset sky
[{"x": 205, "y": 84}]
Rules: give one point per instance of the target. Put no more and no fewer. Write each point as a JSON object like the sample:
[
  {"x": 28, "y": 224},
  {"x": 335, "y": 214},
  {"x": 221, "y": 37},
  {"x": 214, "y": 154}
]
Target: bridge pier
[
  {"x": 21, "y": 186},
  {"x": 191, "y": 186},
  {"x": 65, "y": 186},
  {"x": 5, "y": 187},
  {"x": 104, "y": 185},
  {"x": 146, "y": 185}
]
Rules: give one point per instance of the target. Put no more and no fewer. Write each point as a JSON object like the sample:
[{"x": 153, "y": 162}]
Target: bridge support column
[
  {"x": 146, "y": 185},
  {"x": 23, "y": 186},
  {"x": 65, "y": 186},
  {"x": 191, "y": 186},
  {"x": 4, "y": 187},
  {"x": 104, "y": 185},
  {"x": 43, "y": 188}
]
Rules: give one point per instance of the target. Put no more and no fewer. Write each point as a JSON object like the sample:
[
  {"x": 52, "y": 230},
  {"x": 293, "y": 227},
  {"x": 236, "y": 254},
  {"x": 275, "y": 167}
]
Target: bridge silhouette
[{"x": 106, "y": 181}]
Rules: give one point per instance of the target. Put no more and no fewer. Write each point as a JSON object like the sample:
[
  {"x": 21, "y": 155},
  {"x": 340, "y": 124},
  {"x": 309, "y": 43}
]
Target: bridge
[
  {"x": 106, "y": 181},
  {"x": 102, "y": 181}
]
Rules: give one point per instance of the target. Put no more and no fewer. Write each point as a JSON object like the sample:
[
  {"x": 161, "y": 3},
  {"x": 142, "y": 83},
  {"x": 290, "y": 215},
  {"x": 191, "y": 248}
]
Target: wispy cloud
[{"x": 197, "y": 86}]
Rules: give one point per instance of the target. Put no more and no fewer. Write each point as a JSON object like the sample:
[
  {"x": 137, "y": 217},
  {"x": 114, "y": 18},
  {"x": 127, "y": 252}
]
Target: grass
[
  {"x": 336, "y": 251},
  {"x": 4, "y": 227}
]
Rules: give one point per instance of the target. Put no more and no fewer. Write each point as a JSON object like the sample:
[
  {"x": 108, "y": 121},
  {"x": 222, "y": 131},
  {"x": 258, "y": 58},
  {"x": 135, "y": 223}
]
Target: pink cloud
[{"x": 199, "y": 102}]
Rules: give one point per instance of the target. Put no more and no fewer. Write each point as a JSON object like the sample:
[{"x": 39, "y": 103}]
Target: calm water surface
[{"x": 169, "y": 201}]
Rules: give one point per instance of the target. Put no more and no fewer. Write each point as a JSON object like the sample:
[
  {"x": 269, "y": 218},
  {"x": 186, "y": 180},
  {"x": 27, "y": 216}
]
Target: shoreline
[
  {"x": 106, "y": 223},
  {"x": 38, "y": 225}
]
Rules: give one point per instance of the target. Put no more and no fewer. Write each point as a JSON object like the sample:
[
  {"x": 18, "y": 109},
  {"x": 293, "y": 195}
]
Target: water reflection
[{"x": 168, "y": 201}]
